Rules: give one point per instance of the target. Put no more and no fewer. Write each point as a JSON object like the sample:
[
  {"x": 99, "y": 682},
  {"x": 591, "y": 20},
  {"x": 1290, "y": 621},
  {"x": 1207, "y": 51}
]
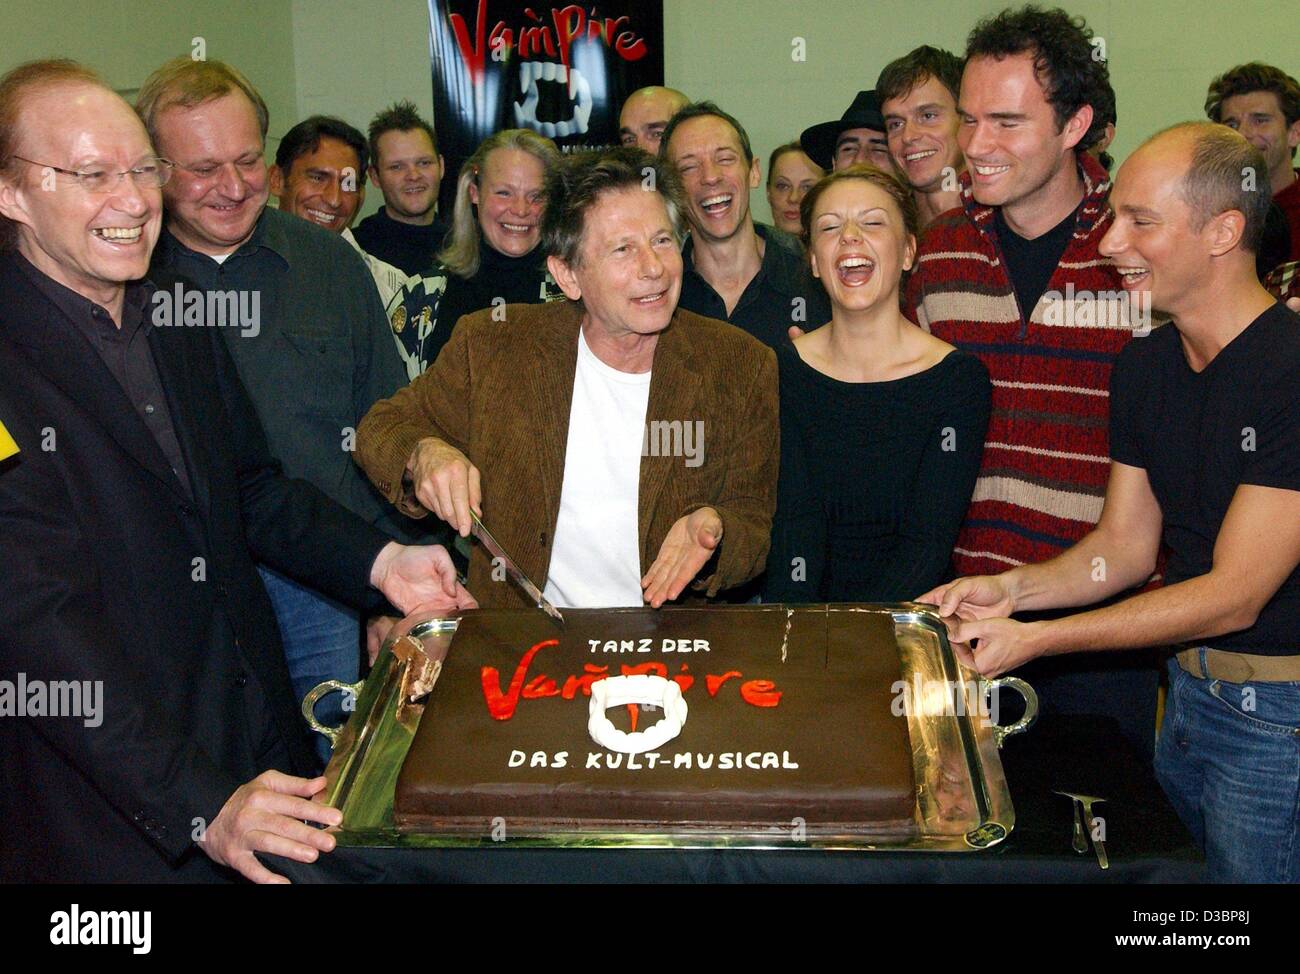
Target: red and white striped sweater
[{"x": 1046, "y": 461}]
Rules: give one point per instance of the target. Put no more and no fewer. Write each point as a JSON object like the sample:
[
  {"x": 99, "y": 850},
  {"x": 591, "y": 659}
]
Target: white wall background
[
  {"x": 124, "y": 40},
  {"x": 352, "y": 57}
]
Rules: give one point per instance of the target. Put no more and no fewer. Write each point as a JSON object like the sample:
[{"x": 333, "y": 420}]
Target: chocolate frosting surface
[{"x": 789, "y": 717}]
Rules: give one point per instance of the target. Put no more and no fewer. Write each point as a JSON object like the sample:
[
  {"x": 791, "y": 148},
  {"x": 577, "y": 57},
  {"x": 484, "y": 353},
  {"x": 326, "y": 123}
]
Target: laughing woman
[{"x": 882, "y": 424}]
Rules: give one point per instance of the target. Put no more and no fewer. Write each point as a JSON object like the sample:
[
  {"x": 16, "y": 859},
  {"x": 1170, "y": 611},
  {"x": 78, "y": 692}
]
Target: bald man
[
  {"x": 645, "y": 115},
  {"x": 1205, "y": 456}
]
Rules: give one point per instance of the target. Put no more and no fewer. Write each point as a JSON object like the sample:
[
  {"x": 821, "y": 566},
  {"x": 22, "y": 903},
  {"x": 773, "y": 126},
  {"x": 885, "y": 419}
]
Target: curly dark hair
[
  {"x": 917, "y": 66},
  {"x": 1064, "y": 59},
  {"x": 578, "y": 181}
]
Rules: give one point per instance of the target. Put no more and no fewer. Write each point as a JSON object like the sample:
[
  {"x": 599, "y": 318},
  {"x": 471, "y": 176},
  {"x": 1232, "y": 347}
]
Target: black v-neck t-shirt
[
  {"x": 1201, "y": 435},
  {"x": 1031, "y": 263}
]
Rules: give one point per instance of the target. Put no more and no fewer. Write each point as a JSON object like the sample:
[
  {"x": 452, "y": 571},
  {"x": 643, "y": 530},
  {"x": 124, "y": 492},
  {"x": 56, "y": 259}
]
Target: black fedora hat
[{"x": 819, "y": 141}]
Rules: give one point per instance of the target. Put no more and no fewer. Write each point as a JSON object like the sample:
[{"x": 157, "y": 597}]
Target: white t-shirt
[{"x": 596, "y": 559}]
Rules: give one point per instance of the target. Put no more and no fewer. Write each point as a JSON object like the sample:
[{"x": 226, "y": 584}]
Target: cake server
[
  {"x": 532, "y": 591},
  {"x": 1077, "y": 840},
  {"x": 1098, "y": 844}
]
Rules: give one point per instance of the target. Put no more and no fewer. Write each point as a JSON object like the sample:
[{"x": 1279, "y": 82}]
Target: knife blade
[{"x": 532, "y": 591}]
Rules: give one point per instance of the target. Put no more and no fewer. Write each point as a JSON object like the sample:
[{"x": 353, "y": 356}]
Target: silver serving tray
[{"x": 962, "y": 803}]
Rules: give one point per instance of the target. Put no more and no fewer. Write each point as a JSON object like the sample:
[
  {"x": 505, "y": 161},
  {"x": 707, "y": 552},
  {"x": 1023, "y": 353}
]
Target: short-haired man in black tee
[
  {"x": 1205, "y": 445},
  {"x": 404, "y": 163}
]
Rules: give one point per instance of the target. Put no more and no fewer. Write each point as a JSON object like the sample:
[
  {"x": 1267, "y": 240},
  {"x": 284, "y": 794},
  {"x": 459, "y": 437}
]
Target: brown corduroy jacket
[{"x": 501, "y": 393}]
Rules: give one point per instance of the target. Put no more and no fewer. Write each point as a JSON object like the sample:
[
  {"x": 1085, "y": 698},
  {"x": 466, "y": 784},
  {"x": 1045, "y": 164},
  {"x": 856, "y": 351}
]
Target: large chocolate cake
[{"x": 790, "y": 724}]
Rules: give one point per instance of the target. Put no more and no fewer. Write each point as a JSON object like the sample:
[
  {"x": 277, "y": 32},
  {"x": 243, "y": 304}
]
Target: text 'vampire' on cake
[{"x": 757, "y": 693}]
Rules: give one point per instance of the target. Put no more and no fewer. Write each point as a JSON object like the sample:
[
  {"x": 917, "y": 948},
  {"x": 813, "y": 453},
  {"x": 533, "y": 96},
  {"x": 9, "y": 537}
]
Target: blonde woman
[{"x": 492, "y": 256}]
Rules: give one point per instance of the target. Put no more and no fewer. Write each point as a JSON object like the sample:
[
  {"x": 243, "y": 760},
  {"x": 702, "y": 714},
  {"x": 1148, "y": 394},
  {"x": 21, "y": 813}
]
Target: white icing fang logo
[{"x": 531, "y": 72}]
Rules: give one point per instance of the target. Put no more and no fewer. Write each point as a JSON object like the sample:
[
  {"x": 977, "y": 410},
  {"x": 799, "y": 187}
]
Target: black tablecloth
[{"x": 1144, "y": 838}]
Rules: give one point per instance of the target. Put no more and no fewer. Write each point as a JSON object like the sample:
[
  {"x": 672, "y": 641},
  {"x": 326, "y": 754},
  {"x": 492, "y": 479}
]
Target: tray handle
[
  {"x": 314, "y": 696},
  {"x": 1000, "y": 734}
]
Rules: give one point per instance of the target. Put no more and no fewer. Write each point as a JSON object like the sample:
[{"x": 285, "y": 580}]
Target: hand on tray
[
  {"x": 269, "y": 814},
  {"x": 972, "y": 597},
  {"x": 991, "y": 647},
  {"x": 687, "y": 548}
]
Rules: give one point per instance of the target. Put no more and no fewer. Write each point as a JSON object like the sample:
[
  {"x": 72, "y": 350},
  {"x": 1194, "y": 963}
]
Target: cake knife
[{"x": 532, "y": 591}]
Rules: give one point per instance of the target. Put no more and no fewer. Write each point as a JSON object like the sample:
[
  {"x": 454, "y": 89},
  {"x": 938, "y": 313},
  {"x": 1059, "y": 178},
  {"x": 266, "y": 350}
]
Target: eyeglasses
[{"x": 149, "y": 174}]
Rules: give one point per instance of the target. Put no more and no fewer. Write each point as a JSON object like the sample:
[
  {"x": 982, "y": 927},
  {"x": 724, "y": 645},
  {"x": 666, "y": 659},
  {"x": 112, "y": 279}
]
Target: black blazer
[{"x": 110, "y": 571}]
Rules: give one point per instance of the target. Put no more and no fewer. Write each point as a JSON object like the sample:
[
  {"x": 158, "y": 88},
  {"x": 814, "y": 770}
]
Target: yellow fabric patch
[{"x": 7, "y": 445}]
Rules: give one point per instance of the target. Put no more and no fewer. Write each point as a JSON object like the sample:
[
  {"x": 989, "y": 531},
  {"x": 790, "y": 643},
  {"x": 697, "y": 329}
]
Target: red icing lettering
[
  {"x": 502, "y": 707},
  {"x": 684, "y": 678},
  {"x": 574, "y": 683},
  {"x": 654, "y": 669},
  {"x": 714, "y": 683},
  {"x": 760, "y": 693},
  {"x": 540, "y": 686}
]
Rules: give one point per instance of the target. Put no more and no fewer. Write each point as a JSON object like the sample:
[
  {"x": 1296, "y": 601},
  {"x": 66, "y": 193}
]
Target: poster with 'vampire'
[{"x": 560, "y": 69}]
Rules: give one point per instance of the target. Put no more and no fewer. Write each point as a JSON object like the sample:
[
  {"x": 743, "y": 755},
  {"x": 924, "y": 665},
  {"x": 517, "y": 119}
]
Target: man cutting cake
[{"x": 618, "y": 447}]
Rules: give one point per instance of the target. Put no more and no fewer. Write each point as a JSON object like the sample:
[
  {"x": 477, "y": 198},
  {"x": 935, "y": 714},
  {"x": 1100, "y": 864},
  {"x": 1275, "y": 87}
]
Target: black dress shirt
[
  {"x": 311, "y": 342},
  {"x": 781, "y": 294},
  {"x": 125, "y": 351}
]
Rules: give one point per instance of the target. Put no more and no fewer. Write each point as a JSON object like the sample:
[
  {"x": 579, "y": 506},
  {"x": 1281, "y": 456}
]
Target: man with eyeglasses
[
  {"x": 155, "y": 738},
  {"x": 319, "y": 351}
]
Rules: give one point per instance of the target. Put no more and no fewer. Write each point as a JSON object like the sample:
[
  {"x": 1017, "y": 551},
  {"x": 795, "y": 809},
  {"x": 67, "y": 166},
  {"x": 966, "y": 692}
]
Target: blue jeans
[
  {"x": 322, "y": 641},
  {"x": 1229, "y": 760}
]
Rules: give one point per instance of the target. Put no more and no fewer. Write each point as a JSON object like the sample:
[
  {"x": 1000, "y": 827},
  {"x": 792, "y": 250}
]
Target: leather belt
[{"x": 1239, "y": 667}]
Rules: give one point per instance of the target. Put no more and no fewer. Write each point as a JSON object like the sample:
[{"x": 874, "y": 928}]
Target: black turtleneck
[
  {"x": 410, "y": 247},
  {"x": 517, "y": 280}
]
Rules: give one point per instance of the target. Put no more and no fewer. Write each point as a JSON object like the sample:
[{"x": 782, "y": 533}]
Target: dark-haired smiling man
[
  {"x": 406, "y": 231},
  {"x": 614, "y": 520},
  {"x": 320, "y": 172},
  {"x": 1015, "y": 277}
]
